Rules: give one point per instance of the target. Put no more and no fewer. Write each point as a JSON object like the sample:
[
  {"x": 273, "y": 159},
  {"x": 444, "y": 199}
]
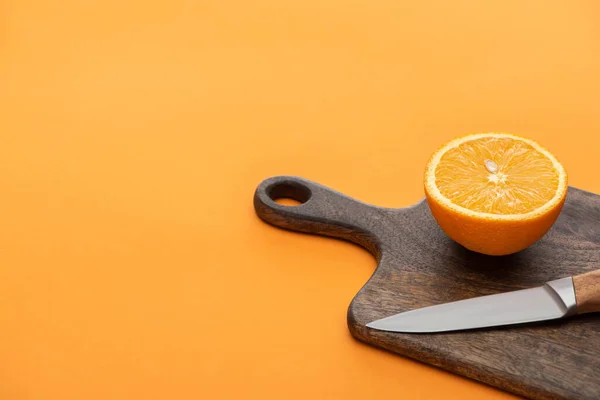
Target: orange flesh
[{"x": 524, "y": 180}]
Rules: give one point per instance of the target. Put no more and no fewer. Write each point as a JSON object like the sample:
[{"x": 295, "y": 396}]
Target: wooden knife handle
[
  {"x": 587, "y": 292},
  {"x": 322, "y": 211}
]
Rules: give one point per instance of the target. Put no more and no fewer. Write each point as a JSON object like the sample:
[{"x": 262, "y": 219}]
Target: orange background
[{"x": 133, "y": 134}]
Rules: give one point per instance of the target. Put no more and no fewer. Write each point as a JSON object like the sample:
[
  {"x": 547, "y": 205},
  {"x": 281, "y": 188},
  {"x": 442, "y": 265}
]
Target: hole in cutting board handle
[
  {"x": 289, "y": 193},
  {"x": 287, "y": 201}
]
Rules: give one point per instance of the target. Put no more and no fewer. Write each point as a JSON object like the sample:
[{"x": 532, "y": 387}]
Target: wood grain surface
[{"x": 418, "y": 266}]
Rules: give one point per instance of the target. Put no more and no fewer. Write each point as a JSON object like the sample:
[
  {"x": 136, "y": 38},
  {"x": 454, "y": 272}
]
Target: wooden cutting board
[{"x": 418, "y": 265}]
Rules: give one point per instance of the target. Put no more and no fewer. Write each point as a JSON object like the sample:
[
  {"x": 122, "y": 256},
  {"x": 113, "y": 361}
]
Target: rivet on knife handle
[{"x": 587, "y": 292}]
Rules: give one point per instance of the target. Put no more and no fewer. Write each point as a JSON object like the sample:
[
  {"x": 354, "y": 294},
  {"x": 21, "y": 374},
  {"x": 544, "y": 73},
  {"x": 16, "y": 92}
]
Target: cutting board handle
[
  {"x": 322, "y": 211},
  {"x": 587, "y": 292}
]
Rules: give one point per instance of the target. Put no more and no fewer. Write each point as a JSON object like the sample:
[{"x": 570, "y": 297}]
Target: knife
[{"x": 556, "y": 299}]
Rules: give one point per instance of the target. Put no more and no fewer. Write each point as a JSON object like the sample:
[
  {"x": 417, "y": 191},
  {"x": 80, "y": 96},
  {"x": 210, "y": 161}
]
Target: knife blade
[{"x": 555, "y": 299}]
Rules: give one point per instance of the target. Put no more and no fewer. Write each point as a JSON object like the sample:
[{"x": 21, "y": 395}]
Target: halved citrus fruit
[{"x": 495, "y": 193}]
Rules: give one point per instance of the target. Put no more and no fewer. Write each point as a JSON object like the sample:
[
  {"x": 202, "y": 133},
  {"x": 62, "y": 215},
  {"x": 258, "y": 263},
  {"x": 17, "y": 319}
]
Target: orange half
[{"x": 495, "y": 193}]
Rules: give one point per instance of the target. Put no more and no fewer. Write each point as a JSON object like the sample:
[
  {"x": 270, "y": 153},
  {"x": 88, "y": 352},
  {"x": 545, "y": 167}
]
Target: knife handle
[
  {"x": 587, "y": 292},
  {"x": 321, "y": 211}
]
